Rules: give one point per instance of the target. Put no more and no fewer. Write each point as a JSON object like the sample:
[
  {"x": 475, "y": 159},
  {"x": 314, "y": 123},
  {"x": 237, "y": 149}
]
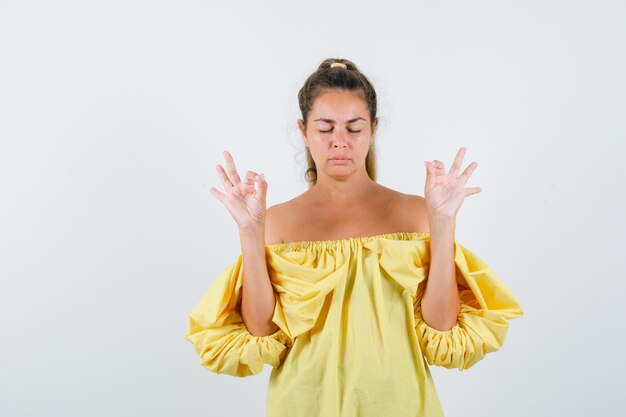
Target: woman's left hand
[{"x": 444, "y": 193}]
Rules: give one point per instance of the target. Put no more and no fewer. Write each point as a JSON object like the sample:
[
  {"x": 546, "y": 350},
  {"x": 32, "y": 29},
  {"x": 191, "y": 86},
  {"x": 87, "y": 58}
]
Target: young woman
[{"x": 350, "y": 289}]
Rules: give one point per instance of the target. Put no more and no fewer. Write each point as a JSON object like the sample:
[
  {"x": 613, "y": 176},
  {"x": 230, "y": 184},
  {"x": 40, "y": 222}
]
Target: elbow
[
  {"x": 262, "y": 331},
  {"x": 441, "y": 323},
  {"x": 442, "y": 327},
  {"x": 260, "y": 325}
]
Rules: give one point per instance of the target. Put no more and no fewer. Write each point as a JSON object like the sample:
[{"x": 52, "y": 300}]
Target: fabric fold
[
  {"x": 487, "y": 305},
  {"x": 302, "y": 279},
  {"x": 381, "y": 277},
  {"x": 220, "y": 336}
]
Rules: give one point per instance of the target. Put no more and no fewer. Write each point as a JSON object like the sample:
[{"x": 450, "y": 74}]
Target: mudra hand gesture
[
  {"x": 245, "y": 203},
  {"x": 444, "y": 193}
]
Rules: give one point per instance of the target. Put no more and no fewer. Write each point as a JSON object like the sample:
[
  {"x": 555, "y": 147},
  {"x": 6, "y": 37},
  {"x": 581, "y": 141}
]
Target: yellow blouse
[{"x": 351, "y": 338}]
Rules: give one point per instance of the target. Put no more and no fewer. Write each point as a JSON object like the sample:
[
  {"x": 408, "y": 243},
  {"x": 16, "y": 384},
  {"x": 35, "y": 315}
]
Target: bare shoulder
[
  {"x": 277, "y": 219},
  {"x": 411, "y": 210},
  {"x": 272, "y": 224},
  {"x": 415, "y": 209}
]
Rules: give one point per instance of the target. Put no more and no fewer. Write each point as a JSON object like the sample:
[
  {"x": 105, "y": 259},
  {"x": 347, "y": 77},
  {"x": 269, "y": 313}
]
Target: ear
[{"x": 302, "y": 130}]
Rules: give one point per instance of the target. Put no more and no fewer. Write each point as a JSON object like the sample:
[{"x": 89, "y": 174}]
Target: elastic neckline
[{"x": 341, "y": 242}]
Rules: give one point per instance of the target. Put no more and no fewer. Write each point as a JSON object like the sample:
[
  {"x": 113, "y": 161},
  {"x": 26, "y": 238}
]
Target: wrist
[
  {"x": 439, "y": 221},
  {"x": 252, "y": 231}
]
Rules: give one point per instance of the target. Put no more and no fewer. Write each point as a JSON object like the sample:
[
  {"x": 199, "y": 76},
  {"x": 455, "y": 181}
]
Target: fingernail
[{"x": 263, "y": 177}]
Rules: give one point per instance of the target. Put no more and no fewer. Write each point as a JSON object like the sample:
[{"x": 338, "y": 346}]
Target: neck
[{"x": 345, "y": 190}]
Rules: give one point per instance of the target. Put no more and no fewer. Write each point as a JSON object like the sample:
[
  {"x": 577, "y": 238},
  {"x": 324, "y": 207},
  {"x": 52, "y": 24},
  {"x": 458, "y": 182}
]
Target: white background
[{"x": 114, "y": 114}]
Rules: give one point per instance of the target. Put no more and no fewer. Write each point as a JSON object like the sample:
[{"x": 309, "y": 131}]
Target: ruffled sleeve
[
  {"x": 220, "y": 337},
  {"x": 487, "y": 305},
  {"x": 302, "y": 275}
]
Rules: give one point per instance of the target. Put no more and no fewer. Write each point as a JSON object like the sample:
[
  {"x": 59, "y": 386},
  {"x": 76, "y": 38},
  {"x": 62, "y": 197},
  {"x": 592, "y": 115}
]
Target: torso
[{"x": 387, "y": 211}]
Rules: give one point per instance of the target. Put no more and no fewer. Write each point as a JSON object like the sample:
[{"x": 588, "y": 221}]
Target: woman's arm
[
  {"x": 444, "y": 193},
  {"x": 440, "y": 303},
  {"x": 258, "y": 300}
]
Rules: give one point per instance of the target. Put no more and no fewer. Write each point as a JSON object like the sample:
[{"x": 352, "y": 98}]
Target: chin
[{"x": 339, "y": 174}]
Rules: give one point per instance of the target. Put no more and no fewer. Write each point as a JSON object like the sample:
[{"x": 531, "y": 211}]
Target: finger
[
  {"x": 248, "y": 184},
  {"x": 224, "y": 178},
  {"x": 250, "y": 177},
  {"x": 220, "y": 196},
  {"x": 430, "y": 168},
  {"x": 262, "y": 185},
  {"x": 430, "y": 175},
  {"x": 232, "y": 169},
  {"x": 468, "y": 171},
  {"x": 472, "y": 190},
  {"x": 458, "y": 160},
  {"x": 438, "y": 166}
]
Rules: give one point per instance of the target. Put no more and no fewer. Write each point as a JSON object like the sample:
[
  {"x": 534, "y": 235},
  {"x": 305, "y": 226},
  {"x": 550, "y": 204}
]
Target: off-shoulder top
[{"x": 351, "y": 338}]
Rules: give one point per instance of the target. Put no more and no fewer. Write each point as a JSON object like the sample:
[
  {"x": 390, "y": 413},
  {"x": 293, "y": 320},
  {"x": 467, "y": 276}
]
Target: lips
[{"x": 339, "y": 157}]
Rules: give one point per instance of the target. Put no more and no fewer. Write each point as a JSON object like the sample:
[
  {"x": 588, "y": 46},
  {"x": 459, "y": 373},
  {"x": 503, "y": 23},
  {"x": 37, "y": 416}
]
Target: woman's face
[{"x": 338, "y": 133}]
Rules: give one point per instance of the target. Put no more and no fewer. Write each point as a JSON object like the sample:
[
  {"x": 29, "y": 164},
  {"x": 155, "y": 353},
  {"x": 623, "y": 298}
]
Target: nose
[{"x": 339, "y": 140}]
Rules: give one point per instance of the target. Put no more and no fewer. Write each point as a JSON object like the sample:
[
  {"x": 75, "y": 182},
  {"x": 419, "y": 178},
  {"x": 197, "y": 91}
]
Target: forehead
[{"x": 339, "y": 106}]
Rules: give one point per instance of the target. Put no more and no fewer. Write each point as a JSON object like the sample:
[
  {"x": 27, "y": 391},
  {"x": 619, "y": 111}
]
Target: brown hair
[{"x": 338, "y": 78}]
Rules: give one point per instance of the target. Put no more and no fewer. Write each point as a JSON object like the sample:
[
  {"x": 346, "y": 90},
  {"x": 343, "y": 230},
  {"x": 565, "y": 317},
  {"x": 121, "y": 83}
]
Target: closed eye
[{"x": 327, "y": 131}]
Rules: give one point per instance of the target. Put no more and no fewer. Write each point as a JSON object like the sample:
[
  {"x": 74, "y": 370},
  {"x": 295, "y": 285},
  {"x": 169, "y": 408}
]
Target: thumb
[
  {"x": 430, "y": 176},
  {"x": 262, "y": 184}
]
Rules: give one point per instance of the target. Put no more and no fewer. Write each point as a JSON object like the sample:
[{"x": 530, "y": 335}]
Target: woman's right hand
[{"x": 243, "y": 201}]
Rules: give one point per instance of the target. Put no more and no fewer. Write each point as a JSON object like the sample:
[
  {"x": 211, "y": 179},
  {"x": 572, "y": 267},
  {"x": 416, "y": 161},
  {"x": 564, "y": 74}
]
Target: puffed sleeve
[
  {"x": 486, "y": 307},
  {"x": 220, "y": 337}
]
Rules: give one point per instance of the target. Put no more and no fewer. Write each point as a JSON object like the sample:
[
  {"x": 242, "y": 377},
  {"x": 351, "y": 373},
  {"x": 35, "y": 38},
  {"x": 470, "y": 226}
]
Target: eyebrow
[{"x": 332, "y": 121}]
